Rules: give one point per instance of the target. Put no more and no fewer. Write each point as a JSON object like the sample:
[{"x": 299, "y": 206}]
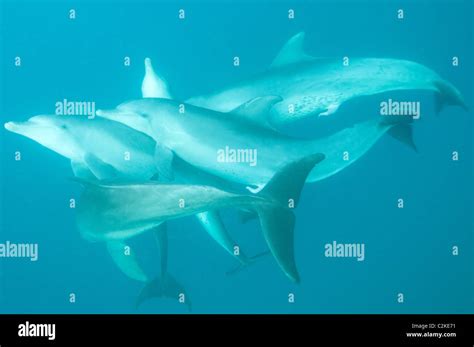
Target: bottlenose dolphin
[
  {"x": 99, "y": 149},
  {"x": 315, "y": 86},
  {"x": 210, "y": 132},
  {"x": 125, "y": 210}
]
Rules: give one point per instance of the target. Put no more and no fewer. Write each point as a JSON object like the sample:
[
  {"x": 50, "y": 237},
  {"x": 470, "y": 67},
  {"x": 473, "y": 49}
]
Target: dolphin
[
  {"x": 108, "y": 211},
  {"x": 315, "y": 86},
  {"x": 99, "y": 149},
  {"x": 210, "y": 132}
]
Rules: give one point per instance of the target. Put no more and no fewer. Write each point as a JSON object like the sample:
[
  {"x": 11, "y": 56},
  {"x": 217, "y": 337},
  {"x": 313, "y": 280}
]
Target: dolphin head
[
  {"x": 146, "y": 115},
  {"x": 50, "y": 131},
  {"x": 128, "y": 115}
]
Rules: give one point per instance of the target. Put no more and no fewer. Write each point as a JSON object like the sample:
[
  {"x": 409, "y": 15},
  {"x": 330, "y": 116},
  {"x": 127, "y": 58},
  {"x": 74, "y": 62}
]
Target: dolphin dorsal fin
[
  {"x": 288, "y": 182},
  {"x": 257, "y": 109},
  {"x": 292, "y": 52},
  {"x": 153, "y": 85}
]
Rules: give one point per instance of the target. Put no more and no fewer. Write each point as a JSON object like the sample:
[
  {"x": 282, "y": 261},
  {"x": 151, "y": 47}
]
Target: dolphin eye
[{"x": 64, "y": 126}]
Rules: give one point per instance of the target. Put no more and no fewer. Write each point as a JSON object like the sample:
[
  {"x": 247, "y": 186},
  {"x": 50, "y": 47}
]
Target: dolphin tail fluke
[
  {"x": 403, "y": 132},
  {"x": 277, "y": 220},
  {"x": 448, "y": 95},
  {"x": 164, "y": 287}
]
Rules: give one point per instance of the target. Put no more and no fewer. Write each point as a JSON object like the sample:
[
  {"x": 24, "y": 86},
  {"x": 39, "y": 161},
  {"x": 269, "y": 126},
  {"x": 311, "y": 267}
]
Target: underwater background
[{"x": 407, "y": 250}]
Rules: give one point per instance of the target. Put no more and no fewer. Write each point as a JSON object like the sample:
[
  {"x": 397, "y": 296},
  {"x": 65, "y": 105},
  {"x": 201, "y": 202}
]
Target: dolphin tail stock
[
  {"x": 447, "y": 94},
  {"x": 276, "y": 218},
  {"x": 345, "y": 147},
  {"x": 163, "y": 285}
]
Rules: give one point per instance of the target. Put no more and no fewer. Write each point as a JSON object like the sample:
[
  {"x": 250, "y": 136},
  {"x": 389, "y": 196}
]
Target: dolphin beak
[{"x": 10, "y": 126}]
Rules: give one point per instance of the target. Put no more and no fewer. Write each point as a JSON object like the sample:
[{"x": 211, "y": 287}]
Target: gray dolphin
[
  {"x": 315, "y": 86},
  {"x": 319, "y": 86},
  {"x": 106, "y": 150},
  {"x": 108, "y": 211},
  {"x": 98, "y": 151},
  {"x": 99, "y": 148},
  {"x": 199, "y": 135}
]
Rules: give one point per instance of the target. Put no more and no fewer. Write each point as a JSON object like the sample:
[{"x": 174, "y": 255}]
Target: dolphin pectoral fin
[
  {"x": 404, "y": 133},
  {"x": 292, "y": 52},
  {"x": 252, "y": 260},
  {"x": 81, "y": 170},
  {"x": 257, "y": 110},
  {"x": 164, "y": 163},
  {"x": 126, "y": 261},
  {"x": 332, "y": 108},
  {"x": 153, "y": 85},
  {"x": 212, "y": 223},
  {"x": 164, "y": 287},
  {"x": 100, "y": 169}
]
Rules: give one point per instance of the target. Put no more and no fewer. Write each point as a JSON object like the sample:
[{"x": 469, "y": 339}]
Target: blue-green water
[{"x": 408, "y": 250}]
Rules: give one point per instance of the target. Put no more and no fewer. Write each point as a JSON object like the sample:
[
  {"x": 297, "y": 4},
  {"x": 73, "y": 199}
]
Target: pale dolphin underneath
[
  {"x": 125, "y": 210},
  {"x": 99, "y": 150},
  {"x": 103, "y": 149}
]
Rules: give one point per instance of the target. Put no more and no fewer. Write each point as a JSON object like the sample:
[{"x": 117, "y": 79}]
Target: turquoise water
[{"x": 408, "y": 251}]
